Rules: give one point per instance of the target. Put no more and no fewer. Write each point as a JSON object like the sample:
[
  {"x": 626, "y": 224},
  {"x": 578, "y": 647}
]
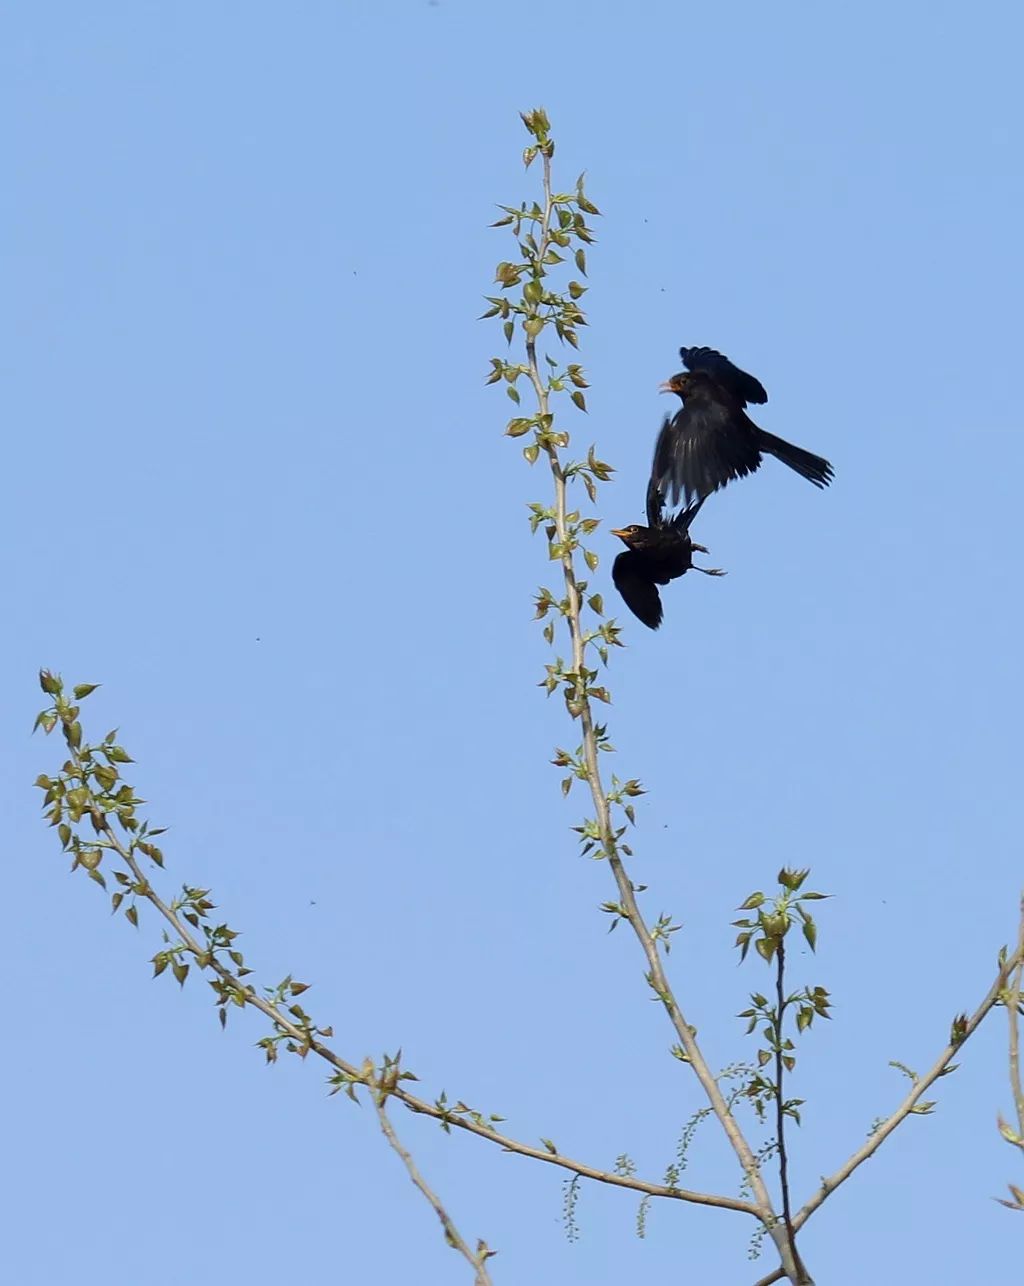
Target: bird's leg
[{"x": 708, "y": 571}]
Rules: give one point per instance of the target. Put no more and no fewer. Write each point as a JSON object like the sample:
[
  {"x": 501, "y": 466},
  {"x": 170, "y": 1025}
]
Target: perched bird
[
  {"x": 711, "y": 440},
  {"x": 656, "y": 554}
]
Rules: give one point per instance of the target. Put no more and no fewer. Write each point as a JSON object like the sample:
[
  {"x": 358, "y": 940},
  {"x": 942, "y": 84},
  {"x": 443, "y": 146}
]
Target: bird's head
[
  {"x": 679, "y": 384},
  {"x": 634, "y": 536}
]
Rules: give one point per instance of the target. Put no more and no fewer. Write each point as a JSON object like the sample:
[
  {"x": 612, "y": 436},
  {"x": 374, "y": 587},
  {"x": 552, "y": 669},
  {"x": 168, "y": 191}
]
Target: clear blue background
[{"x": 255, "y": 485}]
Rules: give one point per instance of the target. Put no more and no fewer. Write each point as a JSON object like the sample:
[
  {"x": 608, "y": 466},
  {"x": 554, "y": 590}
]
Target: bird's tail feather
[{"x": 810, "y": 466}]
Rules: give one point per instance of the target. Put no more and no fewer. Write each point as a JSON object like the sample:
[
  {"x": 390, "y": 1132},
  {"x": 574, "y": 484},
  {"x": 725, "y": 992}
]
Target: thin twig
[
  {"x": 775, "y": 1276},
  {"x": 657, "y": 977},
  {"x": 871, "y": 1145},
  {"x": 780, "y": 1107},
  {"x": 477, "y": 1259},
  {"x": 1013, "y": 999}
]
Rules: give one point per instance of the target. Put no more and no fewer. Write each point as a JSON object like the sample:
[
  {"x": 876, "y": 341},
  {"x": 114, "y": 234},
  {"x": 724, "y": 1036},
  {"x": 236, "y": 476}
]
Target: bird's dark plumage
[
  {"x": 656, "y": 554},
  {"x": 638, "y": 587},
  {"x": 711, "y": 440},
  {"x": 710, "y": 362}
]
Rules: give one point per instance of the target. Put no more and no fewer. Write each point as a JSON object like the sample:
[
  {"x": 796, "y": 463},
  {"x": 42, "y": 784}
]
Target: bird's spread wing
[
  {"x": 706, "y": 445},
  {"x": 636, "y": 587},
  {"x": 662, "y": 468},
  {"x": 741, "y": 385}
]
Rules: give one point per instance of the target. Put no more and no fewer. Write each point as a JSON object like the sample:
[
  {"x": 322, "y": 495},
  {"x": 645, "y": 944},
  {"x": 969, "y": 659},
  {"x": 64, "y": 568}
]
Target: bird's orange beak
[
  {"x": 665, "y": 387},
  {"x": 618, "y": 531}
]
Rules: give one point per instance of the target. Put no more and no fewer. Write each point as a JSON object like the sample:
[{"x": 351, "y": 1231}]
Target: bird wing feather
[
  {"x": 681, "y": 522},
  {"x": 639, "y": 592},
  {"x": 661, "y": 471},
  {"x": 707, "y": 445},
  {"x": 655, "y": 503}
]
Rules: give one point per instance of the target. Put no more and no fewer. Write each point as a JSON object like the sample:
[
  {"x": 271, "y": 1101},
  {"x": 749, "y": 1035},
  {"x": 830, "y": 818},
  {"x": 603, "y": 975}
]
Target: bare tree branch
[
  {"x": 1012, "y": 1000},
  {"x": 477, "y": 1258},
  {"x": 578, "y": 1167},
  {"x": 941, "y": 1065},
  {"x": 780, "y": 1109}
]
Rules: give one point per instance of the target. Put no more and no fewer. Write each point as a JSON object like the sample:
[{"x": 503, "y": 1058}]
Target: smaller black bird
[
  {"x": 656, "y": 554},
  {"x": 712, "y": 440}
]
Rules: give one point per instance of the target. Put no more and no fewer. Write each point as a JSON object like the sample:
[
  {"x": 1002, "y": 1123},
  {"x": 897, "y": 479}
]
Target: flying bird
[
  {"x": 655, "y": 555},
  {"x": 711, "y": 440}
]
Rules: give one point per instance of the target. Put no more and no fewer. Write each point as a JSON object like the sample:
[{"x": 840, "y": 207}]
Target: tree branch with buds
[{"x": 95, "y": 814}]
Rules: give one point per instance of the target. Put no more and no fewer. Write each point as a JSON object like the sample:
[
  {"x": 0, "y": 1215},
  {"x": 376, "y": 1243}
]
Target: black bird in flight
[
  {"x": 711, "y": 440},
  {"x": 656, "y": 554}
]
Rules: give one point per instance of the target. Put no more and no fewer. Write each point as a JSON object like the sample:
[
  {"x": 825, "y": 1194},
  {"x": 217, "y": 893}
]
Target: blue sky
[{"x": 254, "y": 485}]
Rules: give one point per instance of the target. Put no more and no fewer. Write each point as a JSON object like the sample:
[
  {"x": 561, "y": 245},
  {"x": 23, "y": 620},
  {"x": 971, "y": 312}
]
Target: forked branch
[{"x": 963, "y": 1029}]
